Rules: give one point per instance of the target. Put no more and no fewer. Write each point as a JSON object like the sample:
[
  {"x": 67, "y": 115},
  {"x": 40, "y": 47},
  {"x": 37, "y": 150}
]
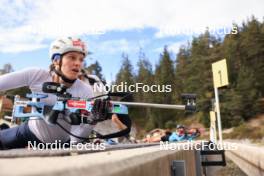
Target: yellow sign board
[
  {"x": 212, "y": 117},
  {"x": 220, "y": 75}
]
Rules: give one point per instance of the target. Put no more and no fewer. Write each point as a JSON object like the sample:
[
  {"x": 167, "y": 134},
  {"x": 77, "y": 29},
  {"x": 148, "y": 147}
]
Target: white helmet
[{"x": 64, "y": 45}]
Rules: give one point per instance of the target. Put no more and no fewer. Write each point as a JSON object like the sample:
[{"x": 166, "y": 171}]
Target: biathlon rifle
[{"x": 80, "y": 109}]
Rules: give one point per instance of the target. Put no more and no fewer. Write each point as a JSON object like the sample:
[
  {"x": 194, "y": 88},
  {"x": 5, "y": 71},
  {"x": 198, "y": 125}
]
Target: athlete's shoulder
[
  {"x": 34, "y": 74},
  {"x": 36, "y": 70},
  {"x": 83, "y": 86},
  {"x": 32, "y": 71}
]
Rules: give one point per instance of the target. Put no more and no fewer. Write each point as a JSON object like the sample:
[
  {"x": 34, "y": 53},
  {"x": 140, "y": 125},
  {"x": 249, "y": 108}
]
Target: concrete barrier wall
[
  {"x": 249, "y": 158},
  {"x": 158, "y": 163},
  {"x": 130, "y": 162}
]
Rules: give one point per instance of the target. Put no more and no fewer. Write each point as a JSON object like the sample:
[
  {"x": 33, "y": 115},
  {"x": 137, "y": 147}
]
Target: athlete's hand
[{"x": 5, "y": 104}]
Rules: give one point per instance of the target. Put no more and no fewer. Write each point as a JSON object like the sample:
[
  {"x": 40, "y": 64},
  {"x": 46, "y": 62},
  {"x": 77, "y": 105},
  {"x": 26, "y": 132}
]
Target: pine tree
[
  {"x": 164, "y": 75},
  {"x": 95, "y": 69},
  {"x": 144, "y": 76},
  {"x": 125, "y": 73},
  {"x": 252, "y": 46}
]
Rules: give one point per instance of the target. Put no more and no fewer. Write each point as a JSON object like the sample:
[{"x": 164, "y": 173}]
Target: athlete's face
[{"x": 72, "y": 63}]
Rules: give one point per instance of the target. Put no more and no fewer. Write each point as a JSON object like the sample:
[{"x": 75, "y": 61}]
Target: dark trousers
[{"x": 17, "y": 137}]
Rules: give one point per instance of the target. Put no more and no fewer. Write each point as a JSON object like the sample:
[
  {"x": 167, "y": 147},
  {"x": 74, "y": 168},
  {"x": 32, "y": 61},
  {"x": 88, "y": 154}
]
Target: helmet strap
[
  {"x": 59, "y": 72},
  {"x": 63, "y": 77}
]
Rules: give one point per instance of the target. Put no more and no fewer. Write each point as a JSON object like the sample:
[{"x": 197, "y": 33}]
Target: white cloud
[
  {"x": 34, "y": 21},
  {"x": 21, "y": 47},
  {"x": 118, "y": 46},
  {"x": 173, "y": 47},
  {"x": 19, "y": 39},
  {"x": 113, "y": 46}
]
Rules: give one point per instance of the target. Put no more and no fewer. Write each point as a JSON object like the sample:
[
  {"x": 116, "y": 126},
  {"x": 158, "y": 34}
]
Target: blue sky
[{"x": 111, "y": 27}]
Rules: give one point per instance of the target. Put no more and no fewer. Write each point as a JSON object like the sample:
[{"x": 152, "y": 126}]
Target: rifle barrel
[{"x": 153, "y": 105}]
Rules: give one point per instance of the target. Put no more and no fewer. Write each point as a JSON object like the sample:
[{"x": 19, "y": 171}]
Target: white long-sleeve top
[{"x": 34, "y": 78}]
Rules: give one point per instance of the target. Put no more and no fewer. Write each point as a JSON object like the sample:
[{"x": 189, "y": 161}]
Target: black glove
[{"x": 100, "y": 110}]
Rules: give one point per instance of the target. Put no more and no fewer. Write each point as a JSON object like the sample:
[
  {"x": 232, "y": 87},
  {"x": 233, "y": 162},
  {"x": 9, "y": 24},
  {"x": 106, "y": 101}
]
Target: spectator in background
[
  {"x": 193, "y": 133},
  {"x": 179, "y": 135}
]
